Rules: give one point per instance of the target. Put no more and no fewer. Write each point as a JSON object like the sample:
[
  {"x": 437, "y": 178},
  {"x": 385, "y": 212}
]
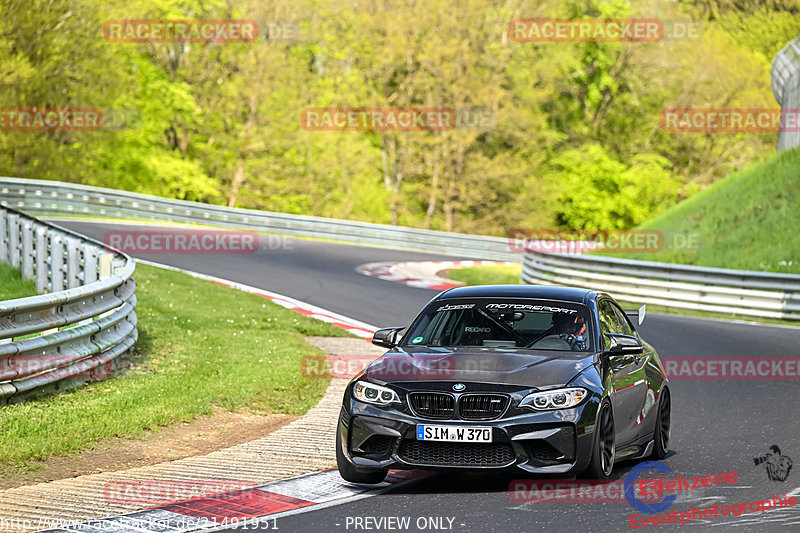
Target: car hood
[{"x": 507, "y": 366}]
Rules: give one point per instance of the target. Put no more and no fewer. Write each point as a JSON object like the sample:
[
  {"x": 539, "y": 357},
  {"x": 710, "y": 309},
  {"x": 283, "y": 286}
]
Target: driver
[{"x": 571, "y": 329}]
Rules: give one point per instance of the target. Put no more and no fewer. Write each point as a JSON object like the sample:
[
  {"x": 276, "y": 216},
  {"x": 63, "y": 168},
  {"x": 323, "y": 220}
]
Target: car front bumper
[{"x": 542, "y": 442}]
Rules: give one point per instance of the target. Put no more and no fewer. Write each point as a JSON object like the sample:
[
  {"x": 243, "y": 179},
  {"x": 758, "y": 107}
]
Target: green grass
[
  {"x": 748, "y": 220},
  {"x": 201, "y": 345},
  {"x": 487, "y": 275},
  {"x": 12, "y": 285}
]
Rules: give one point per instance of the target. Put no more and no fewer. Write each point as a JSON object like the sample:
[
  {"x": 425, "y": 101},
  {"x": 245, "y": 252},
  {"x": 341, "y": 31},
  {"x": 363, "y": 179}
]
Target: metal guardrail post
[
  {"x": 4, "y": 243},
  {"x": 26, "y": 261},
  {"x": 90, "y": 258},
  {"x": 105, "y": 265},
  {"x": 57, "y": 277},
  {"x": 13, "y": 241},
  {"x": 73, "y": 246},
  {"x": 41, "y": 252}
]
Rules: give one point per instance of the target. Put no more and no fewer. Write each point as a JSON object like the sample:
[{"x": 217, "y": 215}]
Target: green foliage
[
  {"x": 220, "y": 122},
  {"x": 594, "y": 191}
]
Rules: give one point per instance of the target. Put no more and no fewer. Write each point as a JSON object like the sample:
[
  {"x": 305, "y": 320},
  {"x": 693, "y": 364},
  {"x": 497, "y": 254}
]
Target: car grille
[
  {"x": 456, "y": 453},
  {"x": 435, "y": 405},
  {"x": 481, "y": 406}
]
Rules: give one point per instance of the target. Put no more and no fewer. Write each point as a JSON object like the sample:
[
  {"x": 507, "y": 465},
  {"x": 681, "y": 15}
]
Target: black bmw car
[{"x": 551, "y": 380}]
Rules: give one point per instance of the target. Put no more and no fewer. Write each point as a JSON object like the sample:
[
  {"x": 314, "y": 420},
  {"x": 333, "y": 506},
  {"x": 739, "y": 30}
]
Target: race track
[{"x": 718, "y": 426}]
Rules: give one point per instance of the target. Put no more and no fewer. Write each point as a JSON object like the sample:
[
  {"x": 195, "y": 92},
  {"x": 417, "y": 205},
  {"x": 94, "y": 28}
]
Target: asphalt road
[{"x": 718, "y": 426}]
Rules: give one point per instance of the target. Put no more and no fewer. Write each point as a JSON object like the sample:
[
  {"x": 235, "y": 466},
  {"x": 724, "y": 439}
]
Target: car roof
[{"x": 545, "y": 292}]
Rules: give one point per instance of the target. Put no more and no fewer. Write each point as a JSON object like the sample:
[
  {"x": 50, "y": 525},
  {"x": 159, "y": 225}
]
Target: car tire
[
  {"x": 603, "y": 450},
  {"x": 662, "y": 429},
  {"x": 349, "y": 472}
]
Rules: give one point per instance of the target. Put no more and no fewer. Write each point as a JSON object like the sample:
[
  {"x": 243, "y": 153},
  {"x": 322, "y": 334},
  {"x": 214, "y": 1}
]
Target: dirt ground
[{"x": 203, "y": 435}]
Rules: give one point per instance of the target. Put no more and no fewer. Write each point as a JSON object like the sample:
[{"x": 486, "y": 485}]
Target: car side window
[
  {"x": 608, "y": 320},
  {"x": 622, "y": 319}
]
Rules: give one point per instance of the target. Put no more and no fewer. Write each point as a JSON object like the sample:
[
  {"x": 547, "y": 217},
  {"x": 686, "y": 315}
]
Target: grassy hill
[{"x": 749, "y": 220}]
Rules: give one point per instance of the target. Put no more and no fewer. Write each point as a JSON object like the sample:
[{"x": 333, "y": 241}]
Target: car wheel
[
  {"x": 661, "y": 431},
  {"x": 349, "y": 472},
  {"x": 603, "y": 451}
]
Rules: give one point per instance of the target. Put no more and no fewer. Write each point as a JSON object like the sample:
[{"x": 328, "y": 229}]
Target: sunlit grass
[{"x": 201, "y": 345}]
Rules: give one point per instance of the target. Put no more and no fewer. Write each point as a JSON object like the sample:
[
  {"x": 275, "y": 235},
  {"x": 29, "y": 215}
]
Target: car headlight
[
  {"x": 375, "y": 394},
  {"x": 554, "y": 399}
]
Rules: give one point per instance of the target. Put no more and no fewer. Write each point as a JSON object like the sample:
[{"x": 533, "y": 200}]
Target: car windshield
[{"x": 518, "y": 323}]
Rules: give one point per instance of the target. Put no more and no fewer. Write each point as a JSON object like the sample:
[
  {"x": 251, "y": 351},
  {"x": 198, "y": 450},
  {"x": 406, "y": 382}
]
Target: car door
[{"x": 628, "y": 388}]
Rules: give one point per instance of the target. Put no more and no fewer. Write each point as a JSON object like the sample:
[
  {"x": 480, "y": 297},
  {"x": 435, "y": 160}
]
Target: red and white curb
[
  {"x": 255, "y": 508},
  {"x": 422, "y": 274},
  {"x": 351, "y": 325}
]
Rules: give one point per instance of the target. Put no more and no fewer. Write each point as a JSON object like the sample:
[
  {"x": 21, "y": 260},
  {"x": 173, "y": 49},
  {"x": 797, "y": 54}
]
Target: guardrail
[
  {"x": 746, "y": 293},
  {"x": 76, "y": 330},
  {"x": 42, "y": 197},
  {"x": 719, "y": 290}
]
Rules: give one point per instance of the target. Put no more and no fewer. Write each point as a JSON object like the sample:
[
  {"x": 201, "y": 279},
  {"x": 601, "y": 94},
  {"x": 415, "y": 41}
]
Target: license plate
[{"x": 454, "y": 433}]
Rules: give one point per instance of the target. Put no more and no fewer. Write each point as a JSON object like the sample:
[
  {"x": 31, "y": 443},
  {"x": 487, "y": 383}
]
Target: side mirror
[
  {"x": 623, "y": 344},
  {"x": 638, "y": 314},
  {"x": 387, "y": 337}
]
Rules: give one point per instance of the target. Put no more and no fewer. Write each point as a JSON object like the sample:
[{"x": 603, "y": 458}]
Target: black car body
[{"x": 491, "y": 376}]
